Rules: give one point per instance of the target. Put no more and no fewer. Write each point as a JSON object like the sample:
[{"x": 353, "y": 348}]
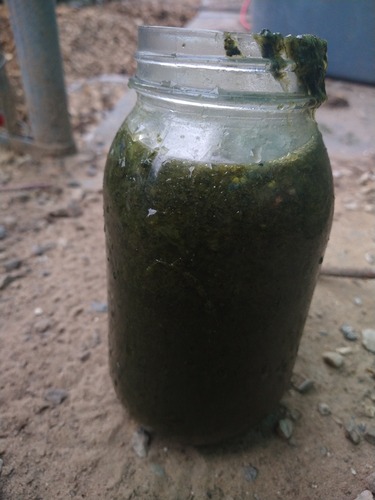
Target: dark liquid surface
[{"x": 211, "y": 272}]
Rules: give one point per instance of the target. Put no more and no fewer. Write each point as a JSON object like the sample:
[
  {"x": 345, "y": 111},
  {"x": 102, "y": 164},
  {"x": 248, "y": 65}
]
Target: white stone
[
  {"x": 368, "y": 339},
  {"x": 344, "y": 350},
  {"x": 365, "y": 495},
  {"x": 333, "y": 359}
]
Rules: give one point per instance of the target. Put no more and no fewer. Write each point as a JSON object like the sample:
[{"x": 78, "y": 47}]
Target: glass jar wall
[{"x": 218, "y": 203}]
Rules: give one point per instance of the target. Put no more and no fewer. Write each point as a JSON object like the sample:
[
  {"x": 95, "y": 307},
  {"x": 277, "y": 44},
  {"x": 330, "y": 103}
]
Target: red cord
[{"x": 243, "y": 14}]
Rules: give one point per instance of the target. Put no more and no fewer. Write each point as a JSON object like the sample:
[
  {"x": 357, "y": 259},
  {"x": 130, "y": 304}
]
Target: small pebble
[
  {"x": 250, "y": 473},
  {"x": 56, "y": 396},
  {"x": 295, "y": 414},
  {"x": 38, "y": 311},
  {"x": 369, "y": 208},
  {"x": 324, "y": 451},
  {"x": 10, "y": 221},
  {"x": 38, "y": 250},
  {"x": 368, "y": 339},
  {"x": 78, "y": 194},
  {"x": 2, "y": 447},
  {"x": 141, "y": 442},
  {"x": 358, "y": 301},
  {"x": 324, "y": 409},
  {"x": 364, "y": 178},
  {"x": 73, "y": 183},
  {"x": 305, "y": 386},
  {"x": 361, "y": 427},
  {"x": 365, "y": 495},
  {"x": 3, "y": 232},
  {"x": 344, "y": 350},
  {"x": 369, "y": 411},
  {"x": 72, "y": 209},
  {"x": 42, "y": 325},
  {"x": 333, "y": 359},
  {"x": 100, "y": 307},
  {"x": 351, "y": 205},
  {"x": 285, "y": 428},
  {"x": 91, "y": 171},
  {"x": 21, "y": 197},
  {"x": 349, "y": 332},
  {"x": 370, "y": 258},
  {"x": 370, "y": 482},
  {"x": 370, "y": 435},
  {"x": 84, "y": 356},
  {"x": 5, "y": 281},
  {"x": 12, "y": 265},
  {"x": 352, "y": 434},
  {"x": 62, "y": 243},
  {"x": 158, "y": 470}
]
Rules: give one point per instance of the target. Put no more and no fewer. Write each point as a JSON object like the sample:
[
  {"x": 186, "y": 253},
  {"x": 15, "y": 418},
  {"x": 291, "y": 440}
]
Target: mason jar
[{"x": 218, "y": 203}]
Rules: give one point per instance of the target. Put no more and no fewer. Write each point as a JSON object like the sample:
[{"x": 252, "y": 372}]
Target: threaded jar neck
[{"x": 216, "y": 66}]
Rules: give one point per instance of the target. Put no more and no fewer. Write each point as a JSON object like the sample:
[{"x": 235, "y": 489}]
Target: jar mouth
[{"x": 226, "y": 65}]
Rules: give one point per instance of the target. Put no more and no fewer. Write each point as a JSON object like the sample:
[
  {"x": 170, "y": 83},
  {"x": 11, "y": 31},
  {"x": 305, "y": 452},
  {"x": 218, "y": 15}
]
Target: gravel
[
  {"x": 56, "y": 396},
  {"x": 250, "y": 473},
  {"x": 42, "y": 325},
  {"x": 370, "y": 435},
  {"x": 158, "y": 470},
  {"x": 100, "y": 307},
  {"x": 333, "y": 359},
  {"x": 365, "y": 495},
  {"x": 305, "y": 386},
  {"x": 3, "y": 232},
  {"x": 141, "y": 442},
  {"x": 344, "y": 350},
  {"x": 40, "y": 249},
  {"x": 285, "y": 428},
  {"x": 368, "y": 339},
  {"x": 324, "y": 409},
  {"x": 358, "y": 301},
  {"x": 12, "y": 265},
  {"x": 370, "y": 482},
  {"x": 349, "y": 332},
  {"x": 351, "y": 433}
]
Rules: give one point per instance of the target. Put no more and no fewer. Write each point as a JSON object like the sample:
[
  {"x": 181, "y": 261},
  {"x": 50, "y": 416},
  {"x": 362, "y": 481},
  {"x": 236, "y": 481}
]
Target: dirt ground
[
  {"x": 98, "y": 45},
  {"x": 63, "y": 434}
]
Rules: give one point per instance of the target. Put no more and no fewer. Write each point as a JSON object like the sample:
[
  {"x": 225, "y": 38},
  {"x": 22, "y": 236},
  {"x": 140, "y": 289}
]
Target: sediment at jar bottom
[{"x": 211, "y": 270}]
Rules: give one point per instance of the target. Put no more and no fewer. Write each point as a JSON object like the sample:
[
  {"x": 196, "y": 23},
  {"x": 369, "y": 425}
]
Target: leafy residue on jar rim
[{"x": 308, "y": 53}]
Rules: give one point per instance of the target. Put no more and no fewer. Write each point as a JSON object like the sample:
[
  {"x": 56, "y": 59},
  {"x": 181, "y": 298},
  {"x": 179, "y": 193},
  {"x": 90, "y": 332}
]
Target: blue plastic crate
[{"x": 347, "y": 25}]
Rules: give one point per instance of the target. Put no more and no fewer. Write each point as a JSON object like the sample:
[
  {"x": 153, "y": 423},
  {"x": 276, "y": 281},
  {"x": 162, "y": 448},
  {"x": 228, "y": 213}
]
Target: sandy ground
[
  {"x": 97, "y": 45},
  {"x": 63, "y": 434}
]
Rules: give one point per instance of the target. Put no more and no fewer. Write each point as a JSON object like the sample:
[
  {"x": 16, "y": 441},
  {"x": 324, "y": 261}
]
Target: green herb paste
[
  {"x": 211, "y": 272},
  {"x": 309, "y": 54},
  {"x": 231, "y": 46}
]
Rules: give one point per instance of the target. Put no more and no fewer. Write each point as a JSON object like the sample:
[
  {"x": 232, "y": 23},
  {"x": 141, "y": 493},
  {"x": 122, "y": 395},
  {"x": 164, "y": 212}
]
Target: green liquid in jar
[{"x": 211, "y": 272}]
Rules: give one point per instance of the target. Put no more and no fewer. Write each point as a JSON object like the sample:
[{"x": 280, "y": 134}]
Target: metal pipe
[
  {"x": 36, "y": 37},
  {"x": 6, "y": 100}
]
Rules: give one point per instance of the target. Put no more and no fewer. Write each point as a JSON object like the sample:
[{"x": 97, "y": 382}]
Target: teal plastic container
[{"x": 347, "y": 25}]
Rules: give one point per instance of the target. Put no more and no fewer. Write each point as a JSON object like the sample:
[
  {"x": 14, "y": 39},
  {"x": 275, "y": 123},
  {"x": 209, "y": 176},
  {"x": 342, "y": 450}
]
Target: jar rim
[{"x": 230, "y": 63}]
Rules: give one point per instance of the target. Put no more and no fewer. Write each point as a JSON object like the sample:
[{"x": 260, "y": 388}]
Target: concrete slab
[
  {"x": 224, "y": 5},
  {"x": 216, "y": 20},
  {"x": 104, "y": 134}
]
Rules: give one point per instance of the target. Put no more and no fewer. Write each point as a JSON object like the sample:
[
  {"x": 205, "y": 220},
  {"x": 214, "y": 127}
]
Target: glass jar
[{"x": 218, "y": 203}]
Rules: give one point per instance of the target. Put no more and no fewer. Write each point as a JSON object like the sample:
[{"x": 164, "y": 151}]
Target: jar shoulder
[{"x": 232, "y": 135}]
